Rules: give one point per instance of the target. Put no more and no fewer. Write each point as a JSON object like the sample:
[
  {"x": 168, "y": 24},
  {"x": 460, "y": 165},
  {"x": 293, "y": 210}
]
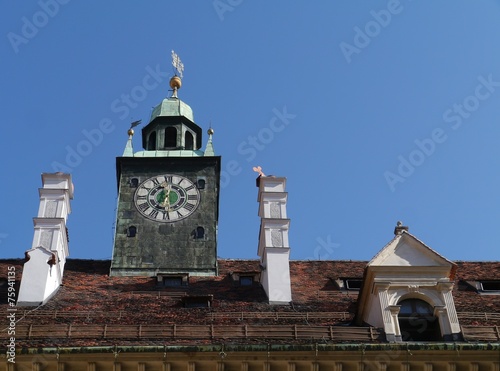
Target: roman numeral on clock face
[
  {"x": 143, "y": 207},
  {"x": 189, "y": 206},
  {"x": 167, "y": 198}
]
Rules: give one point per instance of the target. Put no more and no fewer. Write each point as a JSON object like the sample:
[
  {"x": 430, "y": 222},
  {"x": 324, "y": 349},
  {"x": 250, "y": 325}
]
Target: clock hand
[{"x": 166, "y": 201}]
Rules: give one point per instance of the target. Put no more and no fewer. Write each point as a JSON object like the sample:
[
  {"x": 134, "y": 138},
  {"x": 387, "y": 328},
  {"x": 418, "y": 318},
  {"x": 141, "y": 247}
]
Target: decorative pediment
[
  {"x": 406, "y": 273},
  {"x": 406, "y": 250}
]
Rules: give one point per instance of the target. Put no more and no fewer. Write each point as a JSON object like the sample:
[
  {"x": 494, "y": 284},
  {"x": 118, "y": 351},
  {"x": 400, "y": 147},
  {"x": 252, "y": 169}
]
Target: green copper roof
[{"x": 172, "y": 107}]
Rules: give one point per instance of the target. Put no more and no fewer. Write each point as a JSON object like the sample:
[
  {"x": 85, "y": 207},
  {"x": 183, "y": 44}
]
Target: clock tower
[{"x": 168, "y": 197}]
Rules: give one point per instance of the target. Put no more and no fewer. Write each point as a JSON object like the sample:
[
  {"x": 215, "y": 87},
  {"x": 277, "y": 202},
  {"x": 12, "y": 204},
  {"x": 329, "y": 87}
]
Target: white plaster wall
[
  {"x": 265, "y": 234},
  {"x": 40, "y": 280},
  {"x": 265, "y": 205},
  {"x": 48, "y": 196},
  {"x": 278, "y": 275},
  {"x": 54, "y": 181},
  {"x": 271, "y": 184},
  {"x": 374, "y": 317}
]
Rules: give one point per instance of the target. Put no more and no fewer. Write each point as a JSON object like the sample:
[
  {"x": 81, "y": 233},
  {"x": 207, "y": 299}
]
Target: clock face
[{"x": 167, "y": 198}]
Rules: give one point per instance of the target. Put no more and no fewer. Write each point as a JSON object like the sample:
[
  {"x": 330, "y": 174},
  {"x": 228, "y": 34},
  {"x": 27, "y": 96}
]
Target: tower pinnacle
[
  {"x": 129, "y": 150},
  {"x": 209, "y": 150}
]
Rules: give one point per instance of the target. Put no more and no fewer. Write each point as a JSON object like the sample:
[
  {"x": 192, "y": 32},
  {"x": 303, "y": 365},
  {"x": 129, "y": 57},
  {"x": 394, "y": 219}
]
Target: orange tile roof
[{"x": 131, "y": 308}]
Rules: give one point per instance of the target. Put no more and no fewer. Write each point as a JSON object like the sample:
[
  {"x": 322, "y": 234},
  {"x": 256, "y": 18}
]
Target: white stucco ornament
[{"x": 407, "y": 270}]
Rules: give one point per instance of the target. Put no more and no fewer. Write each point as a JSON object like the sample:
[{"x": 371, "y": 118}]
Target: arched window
[
  {"x": 134, "y": 182},
  {"x": 417, "y": 321},
  {"x": 170, "y": 137},
  {"x": 152, "y": 141},
  {"x": 131, "y": 231},
  {"x": 188, "y": 141}
]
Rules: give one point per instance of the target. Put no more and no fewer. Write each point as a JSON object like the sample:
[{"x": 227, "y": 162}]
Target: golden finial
[
  {"x": 210, "y": 131},
  {"x": 175, "y": 83},
  {"x": 130, "y": 132}
]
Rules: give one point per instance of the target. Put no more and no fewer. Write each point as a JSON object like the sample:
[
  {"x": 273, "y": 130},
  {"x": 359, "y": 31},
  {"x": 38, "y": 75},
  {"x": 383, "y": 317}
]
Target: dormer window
[
  {"x": 490, "y": 286},
  {"x": 197, "y": 301},
  {"x": 409, "y": 292},
  {"x": 485, "y": 287},
  {"x": 349, "y": 284},
  {"x": 246, "y": 280},
  {"x": 353, "y": 284},
  {"x": 174, "y": 281}
]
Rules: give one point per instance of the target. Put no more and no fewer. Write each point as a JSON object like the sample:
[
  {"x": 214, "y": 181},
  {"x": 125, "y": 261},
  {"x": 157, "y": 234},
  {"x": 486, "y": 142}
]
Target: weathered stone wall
[{"x": 166, "y": 246}]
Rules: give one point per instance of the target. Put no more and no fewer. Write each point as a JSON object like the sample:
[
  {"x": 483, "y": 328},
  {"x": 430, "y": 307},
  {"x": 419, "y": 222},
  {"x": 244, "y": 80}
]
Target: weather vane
[
  {"x": 178, "y": 65},
  {"x": 135, "y": 123},
  {"x": 258, "y": 169}
]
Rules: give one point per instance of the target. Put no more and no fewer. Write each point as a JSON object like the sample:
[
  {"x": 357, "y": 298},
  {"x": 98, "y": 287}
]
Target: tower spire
[
  {"x": 209, "y": 151},
  {"x": 129, "y": 150}
]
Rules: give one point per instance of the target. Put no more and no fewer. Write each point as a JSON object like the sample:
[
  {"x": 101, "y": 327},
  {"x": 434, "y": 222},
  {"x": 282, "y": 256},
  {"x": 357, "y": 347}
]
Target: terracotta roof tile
[{"x": 89, "y": 297}]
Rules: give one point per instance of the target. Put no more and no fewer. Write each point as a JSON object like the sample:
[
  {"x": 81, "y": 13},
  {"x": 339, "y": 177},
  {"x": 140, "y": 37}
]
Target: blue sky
[{"x": 389, "y": 110}]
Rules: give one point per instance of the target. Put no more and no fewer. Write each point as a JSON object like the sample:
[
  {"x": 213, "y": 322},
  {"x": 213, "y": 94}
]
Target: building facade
[{"x": 166, "y": 302}]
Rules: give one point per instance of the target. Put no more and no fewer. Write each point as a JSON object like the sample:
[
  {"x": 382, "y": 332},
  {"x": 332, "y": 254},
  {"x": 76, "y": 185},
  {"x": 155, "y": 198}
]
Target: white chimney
[
  {"x": 274, "y": 248},
  {"x": 43, "y": 270}
]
